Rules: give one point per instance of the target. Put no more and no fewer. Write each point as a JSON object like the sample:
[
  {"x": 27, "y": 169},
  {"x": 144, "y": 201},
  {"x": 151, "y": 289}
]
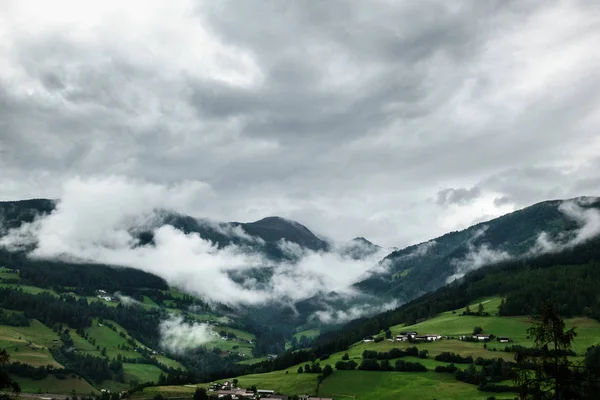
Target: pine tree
[{"x": 548, "y": 373}]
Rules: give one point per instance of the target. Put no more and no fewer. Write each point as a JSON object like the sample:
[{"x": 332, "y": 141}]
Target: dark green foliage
[
  {"x": 200, "y": 394},
  {"x": 6, "y": 381},
  {"x": 13, "y": 319},
  {"x": 453, "y": 358},
  {"x": 391, "y": 354},
  {"x": 346, "y": 365},
  {"x": 450, "y": 368},
  {"x": 549, "y": 372},
  {"x": 385, "y": 366},
  {"x": 477, "y": 330},
  {"x": 345, "y": 356},
  {"x": 412, "y": 351},
  {"x": 369, "y": 364},
  {"x": 404, "y": 366},
  {"x": 423, "y": 353}
]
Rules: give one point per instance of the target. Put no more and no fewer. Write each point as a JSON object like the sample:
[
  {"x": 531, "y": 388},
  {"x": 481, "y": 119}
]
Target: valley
[
  {"x": 429, "y": 384},
  {"x": 82, "y": 326}
]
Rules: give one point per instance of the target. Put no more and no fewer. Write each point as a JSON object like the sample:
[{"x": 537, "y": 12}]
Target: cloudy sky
[{"x": 393, "y": 120}]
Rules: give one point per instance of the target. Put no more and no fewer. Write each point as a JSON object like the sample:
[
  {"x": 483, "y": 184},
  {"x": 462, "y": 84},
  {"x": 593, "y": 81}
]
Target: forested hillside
[{"x": 570, "y": 277}]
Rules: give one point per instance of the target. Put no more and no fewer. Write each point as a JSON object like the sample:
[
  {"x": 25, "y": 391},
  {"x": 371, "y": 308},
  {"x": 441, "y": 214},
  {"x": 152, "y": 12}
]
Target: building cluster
[
  {"x": 432, "y": 337},
  {"x": 104, "y": 296},
  {"x": 228, "y": 388}
]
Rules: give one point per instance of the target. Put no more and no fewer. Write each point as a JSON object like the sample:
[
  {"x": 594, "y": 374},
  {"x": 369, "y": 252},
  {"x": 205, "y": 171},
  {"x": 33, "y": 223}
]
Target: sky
[{"x": 393, "y": 120}]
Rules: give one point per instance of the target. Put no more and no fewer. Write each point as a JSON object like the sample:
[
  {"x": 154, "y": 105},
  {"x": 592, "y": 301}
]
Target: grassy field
[
  {"x": 149, "y": 302},
  {"x": 453, "y": 324},
  {"x": 426, "y": 385},
  {"x": 169, "y": 363},
  {"x": 231, "y": 345},
  {"x": 29, "y": 344},
  {"x": 28, "y": 289},
  {"x": 107, "y": 338},
  {"x": 141, "y": 372},
  {"x": 6, "y": 273},
  {"x": 309, "y": 333},
  {"x": 251, "y": 361},
  {"x": 367, "y": 385},
  {"x": 51, "y": 384}
]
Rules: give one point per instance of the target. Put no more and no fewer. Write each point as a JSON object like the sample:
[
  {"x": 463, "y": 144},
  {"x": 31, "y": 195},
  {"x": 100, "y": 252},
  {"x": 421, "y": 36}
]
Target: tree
[
  {"x": 468, "y": 310},
  {"x": 307, "y": 368},
  {"x": 345, "y": 357},
  {"x": 477, "y": 330},
  {"x": 501, "y": 307},
  {"x": 5, "y": 381},
  {"x": 200, "y": 394},
  {"x": 327, "y": 371},
  {"x": 480, "y": 308},
  {"x": 299, "y": 370},
  {"x": 547, "y": 373},
  {"x": 388, "y": 334},
  {"x": 423, "y": 353},
  {"x": 235, "y": 382}
]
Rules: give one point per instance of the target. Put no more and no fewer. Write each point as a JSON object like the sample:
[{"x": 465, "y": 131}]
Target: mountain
[
  {"x": 359, "y": 248},
  {"x": 569, "y": 277},
  {"x": 416, "y": 270},
  {"x": 274, "y": 229},
  {"x": 263, "y": 235}
]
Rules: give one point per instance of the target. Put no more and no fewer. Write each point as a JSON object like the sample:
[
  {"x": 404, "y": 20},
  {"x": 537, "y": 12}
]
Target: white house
[{"x": 428, "y": 337}]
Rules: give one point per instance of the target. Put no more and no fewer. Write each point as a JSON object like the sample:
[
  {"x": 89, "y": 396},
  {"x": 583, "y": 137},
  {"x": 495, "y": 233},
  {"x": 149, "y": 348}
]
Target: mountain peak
[
  {"x": 362, "y": 240},
  {"x": 273, "y": 229}
]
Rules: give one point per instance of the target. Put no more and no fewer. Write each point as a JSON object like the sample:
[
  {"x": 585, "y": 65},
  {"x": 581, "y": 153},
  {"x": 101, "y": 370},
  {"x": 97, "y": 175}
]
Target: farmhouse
[
  {"x": 504, "y": 339},
  {"x": 428, "y": 338},
  {"x": 410, "y": 335},
  {"x": 236, "y": 394},
  {"x": 368, "y": 339},
  {"x": 401, "y": 338},
  {"x": 481, "y": 337}
]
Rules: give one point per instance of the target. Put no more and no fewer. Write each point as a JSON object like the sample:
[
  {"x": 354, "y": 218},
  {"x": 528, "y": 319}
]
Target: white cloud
[
  {"x": 178, "y": 336},
  {"x": 95, "y": 218},
  {"x": 127, "y": 301},
  {"x": 589, "y": 227},
  {"x": 477, "y": 256},
  {"x": 332, "y": 316}
]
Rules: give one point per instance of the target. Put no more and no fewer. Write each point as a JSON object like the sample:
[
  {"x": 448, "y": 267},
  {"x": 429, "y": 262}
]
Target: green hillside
[
  {"x": 418, "y": 269},
  {"x": 363, "y": 384}
]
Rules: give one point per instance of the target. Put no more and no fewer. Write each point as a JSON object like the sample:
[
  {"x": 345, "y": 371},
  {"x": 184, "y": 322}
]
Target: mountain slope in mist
[{"x": 542, "y": 228}]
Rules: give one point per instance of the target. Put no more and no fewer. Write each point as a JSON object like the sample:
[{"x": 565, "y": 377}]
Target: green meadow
[
  {"x": 390, "y": 385},
  {"x": 368, "y": 385},
  {"x": 52, "y": 384},
  {"x": 29, "y": 344}
]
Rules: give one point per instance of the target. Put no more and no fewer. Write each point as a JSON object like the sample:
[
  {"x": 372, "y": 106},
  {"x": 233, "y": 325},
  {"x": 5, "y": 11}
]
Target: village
[
  {"x": 416, "y": 337},
  {"x": 229, "y": 390}
]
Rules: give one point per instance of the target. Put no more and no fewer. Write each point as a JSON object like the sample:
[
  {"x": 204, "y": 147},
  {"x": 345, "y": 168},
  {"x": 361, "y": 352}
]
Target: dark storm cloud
[{"x": 391, "y": 120}]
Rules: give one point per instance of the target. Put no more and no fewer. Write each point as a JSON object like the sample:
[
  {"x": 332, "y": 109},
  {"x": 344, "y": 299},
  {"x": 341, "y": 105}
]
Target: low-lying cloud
[
  {"x": 334, "y": 316},
  {"x": 94, "y": 220},
  {"x": 127, "y": 301},
  {"x": 476, "y": 258},
  {"x": 587, "y": 218},
  {"x": 589, "y": 227},
  {"x": 177, "y": 336}
]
